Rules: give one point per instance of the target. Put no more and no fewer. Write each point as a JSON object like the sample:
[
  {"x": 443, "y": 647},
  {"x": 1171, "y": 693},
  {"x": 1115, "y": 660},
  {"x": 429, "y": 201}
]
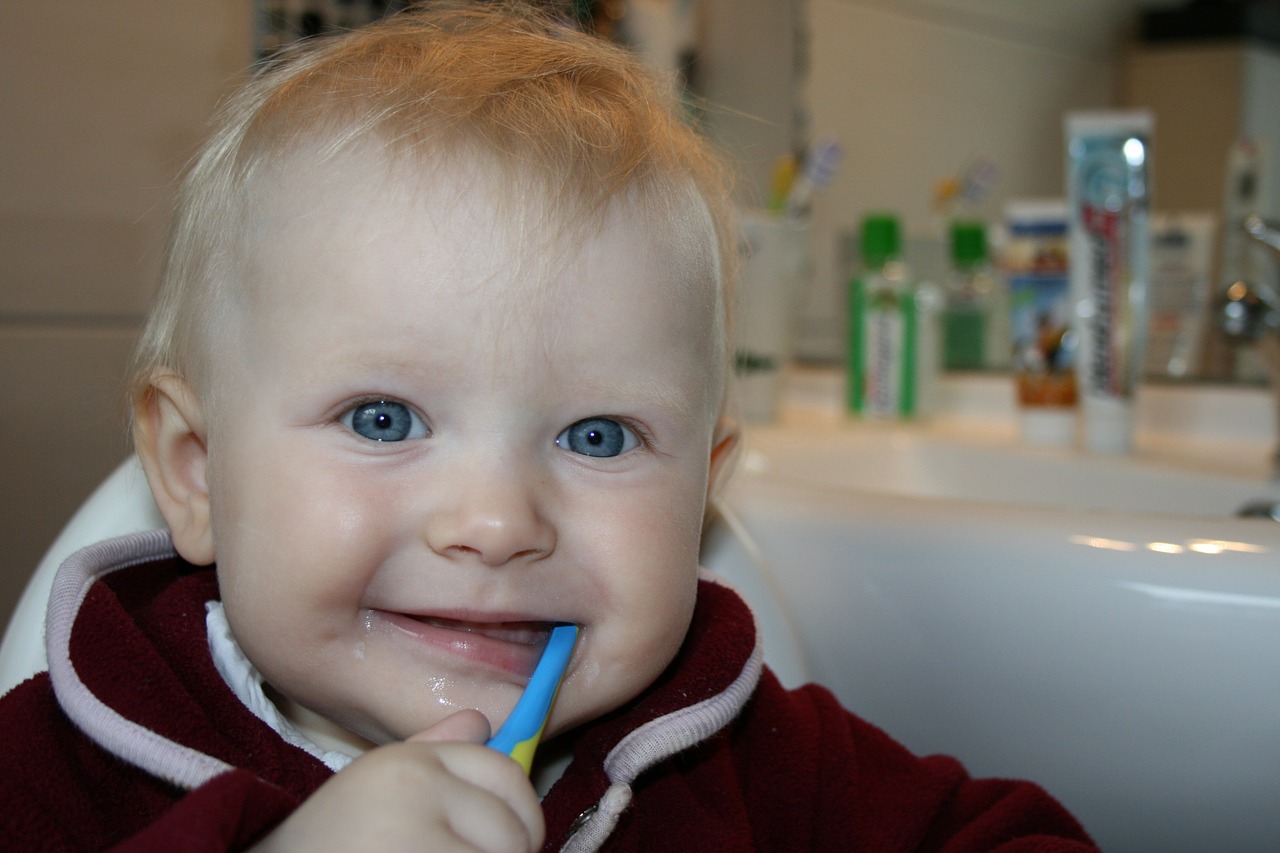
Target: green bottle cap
[
  {"x": 881, "y": 239},
  {"x": 968, "y": 242}
]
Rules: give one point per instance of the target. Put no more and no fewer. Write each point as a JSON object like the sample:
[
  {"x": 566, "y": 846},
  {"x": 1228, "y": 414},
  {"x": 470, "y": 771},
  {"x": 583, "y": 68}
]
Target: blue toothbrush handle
[{"x": 519, "y": 735}]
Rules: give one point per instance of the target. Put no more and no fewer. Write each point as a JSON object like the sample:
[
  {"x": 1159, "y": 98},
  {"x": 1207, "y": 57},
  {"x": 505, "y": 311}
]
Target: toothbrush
[
  {"x": 819, "y": 170},
  {"x": 520, "y": 734}
]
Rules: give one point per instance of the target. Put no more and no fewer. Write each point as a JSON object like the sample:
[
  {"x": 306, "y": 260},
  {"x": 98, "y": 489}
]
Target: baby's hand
[{"x": 439, "y": 790}]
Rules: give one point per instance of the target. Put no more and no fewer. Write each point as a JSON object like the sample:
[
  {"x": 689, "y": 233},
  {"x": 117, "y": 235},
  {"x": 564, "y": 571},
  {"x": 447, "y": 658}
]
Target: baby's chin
[{"x": 326, "y": 732}]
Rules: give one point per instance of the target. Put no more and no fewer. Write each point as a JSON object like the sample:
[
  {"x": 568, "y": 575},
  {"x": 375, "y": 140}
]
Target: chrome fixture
[
  {"x": 1260, "y": 509},
  {"x": 1249, "y": 312}
]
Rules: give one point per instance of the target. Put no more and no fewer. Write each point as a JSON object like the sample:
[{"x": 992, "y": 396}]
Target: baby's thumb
[{"x": 469, "y": 726}]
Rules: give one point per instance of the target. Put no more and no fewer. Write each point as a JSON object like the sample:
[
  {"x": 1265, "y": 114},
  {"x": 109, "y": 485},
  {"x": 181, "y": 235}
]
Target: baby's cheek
[{"x": 656, "y": 630}]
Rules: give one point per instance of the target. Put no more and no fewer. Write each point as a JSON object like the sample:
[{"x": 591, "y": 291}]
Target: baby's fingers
[
  {"x": 475, "y": 816},
  {"x": 469, "y": 726},
  {"x": 417, "y": 796}
]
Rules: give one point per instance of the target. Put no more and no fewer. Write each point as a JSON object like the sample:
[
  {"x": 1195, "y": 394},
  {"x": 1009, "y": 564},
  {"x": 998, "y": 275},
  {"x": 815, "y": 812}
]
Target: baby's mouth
[
  {"x": 511, "y": 646},
  {"x": 532, "y": 634}
]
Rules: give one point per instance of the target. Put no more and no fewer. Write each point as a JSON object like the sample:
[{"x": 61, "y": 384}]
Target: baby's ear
[
  {"x": 725, "y": 445},
  {"x": 169, "y": 435}
]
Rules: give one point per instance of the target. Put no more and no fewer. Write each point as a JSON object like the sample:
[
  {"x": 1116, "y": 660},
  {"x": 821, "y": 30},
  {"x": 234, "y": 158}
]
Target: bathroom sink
[
  {"x": 917, "y": 461},
  {"x": 1199, "y": 451},
  {"x": 1102, "y": 625}
]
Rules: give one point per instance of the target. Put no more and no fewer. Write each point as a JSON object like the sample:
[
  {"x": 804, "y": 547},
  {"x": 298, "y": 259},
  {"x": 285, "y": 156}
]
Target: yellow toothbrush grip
[{"x": 524, "y": 750}]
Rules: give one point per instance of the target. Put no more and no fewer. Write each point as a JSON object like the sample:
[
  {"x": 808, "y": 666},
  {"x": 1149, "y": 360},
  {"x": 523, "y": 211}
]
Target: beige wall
[
  {"x": 102, "y": 103},
  {"x": 1205, "y": 97},
  {"x": 749, "y": 77}
]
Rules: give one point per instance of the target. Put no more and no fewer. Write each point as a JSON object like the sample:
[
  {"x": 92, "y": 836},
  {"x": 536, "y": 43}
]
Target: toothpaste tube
[{"x": 1108, "y": 158}]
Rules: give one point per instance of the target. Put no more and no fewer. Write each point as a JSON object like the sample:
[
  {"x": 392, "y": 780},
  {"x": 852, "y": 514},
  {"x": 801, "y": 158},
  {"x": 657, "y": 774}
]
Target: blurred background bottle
[
  {"x": 974, "y": 325},
  {"x": 883, "y": 346},
  {"x": 1035, "y": 266}
]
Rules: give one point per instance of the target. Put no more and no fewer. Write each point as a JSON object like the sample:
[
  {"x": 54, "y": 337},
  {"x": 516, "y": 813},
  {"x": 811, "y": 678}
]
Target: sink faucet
[{"x": 1250, "y": 313}]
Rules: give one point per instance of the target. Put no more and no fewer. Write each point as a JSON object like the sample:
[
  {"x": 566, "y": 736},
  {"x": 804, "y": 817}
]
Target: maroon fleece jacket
[{"x": 715, "y": 755}]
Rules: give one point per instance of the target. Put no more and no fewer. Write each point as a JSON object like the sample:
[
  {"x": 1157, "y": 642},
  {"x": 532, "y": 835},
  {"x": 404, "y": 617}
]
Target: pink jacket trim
[{"x": 187, "y": 768}]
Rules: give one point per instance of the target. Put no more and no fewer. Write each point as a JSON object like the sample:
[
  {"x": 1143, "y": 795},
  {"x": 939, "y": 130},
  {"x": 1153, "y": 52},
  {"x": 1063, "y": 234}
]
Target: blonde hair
[{"x": 581, "y": 118}]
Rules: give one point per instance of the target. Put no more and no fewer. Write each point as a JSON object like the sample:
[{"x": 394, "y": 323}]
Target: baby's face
[{"x": 421, "y": 459}]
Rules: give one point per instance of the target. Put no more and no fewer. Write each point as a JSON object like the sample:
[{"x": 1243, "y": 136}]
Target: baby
[{"x": 439, "y": 362}]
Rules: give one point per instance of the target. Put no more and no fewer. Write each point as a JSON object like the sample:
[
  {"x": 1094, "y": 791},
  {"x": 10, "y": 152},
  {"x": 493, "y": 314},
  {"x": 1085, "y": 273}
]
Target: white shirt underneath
[{"x": 246, "y": 682}]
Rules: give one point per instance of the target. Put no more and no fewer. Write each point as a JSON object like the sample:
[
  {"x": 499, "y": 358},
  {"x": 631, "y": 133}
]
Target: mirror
[{"x": 923, "y": 92}]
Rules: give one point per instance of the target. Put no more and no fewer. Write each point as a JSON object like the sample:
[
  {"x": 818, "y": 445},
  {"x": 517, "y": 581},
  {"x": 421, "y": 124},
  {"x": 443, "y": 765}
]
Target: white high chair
[{"x": 122, "y": 504}]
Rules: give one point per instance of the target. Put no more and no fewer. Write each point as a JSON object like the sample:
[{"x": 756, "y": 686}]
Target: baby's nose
[{"x": 494, "y": 518}]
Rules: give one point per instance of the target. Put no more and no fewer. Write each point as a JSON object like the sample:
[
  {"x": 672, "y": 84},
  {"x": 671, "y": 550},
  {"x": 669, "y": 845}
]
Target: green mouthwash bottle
[
  {"x": 883, "y": 326},
  {"x": 969, "y": 317}
]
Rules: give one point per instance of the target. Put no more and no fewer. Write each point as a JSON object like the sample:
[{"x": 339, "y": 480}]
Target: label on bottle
[
  {"x": 882, "y": 349},
  {"x": 964, "y": 336}
]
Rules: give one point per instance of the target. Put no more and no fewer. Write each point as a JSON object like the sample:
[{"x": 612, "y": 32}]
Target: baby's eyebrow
[{"x": 644, "y": 391}]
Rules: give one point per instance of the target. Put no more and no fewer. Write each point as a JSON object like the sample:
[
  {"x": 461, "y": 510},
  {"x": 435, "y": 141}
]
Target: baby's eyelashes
[
  {"x": 599, "y": 437},
  {"x": 385, "y": 420}
]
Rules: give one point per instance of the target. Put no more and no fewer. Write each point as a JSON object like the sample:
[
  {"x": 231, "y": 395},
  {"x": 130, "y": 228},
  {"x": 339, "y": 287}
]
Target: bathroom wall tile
[
  {"x": 62, "y": 432},
  {"x": 76, "y": 267},
  {"x": 103, "y": 105}
]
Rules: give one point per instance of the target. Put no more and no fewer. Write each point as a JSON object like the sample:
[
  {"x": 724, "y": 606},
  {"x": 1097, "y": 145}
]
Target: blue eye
[
  {"x": 598, "y": 437},
  {"x": 385, "y": 420}
]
